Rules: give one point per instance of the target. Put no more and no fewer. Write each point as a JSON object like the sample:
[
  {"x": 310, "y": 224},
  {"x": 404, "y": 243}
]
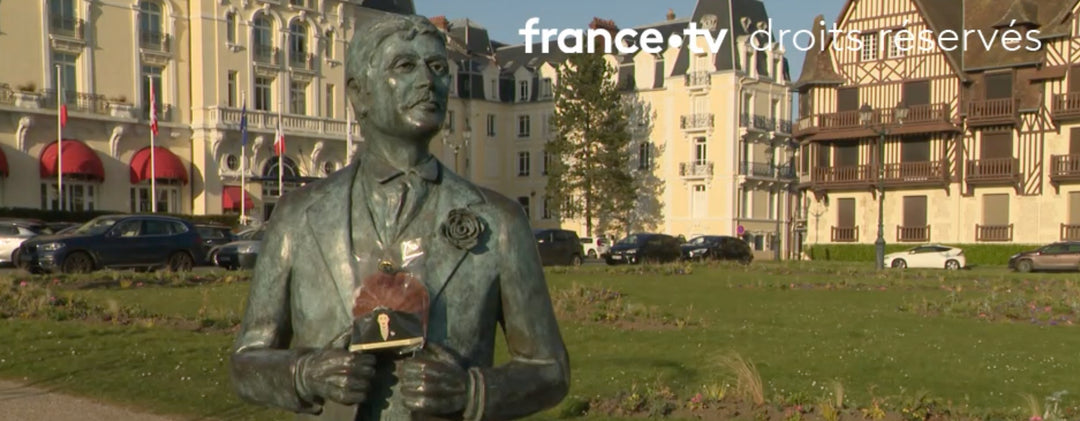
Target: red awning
[
  {"x": 78, "y": 159},
  {"x": 167, "y": 166},
  {"x": 230, "y": 196},
  {"x": 3, "y": 163}
]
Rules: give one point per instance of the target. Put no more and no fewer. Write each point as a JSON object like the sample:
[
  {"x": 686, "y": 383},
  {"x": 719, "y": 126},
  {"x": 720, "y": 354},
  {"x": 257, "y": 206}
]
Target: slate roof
[
  {"x": 985, "y": 15},
  {"x": 817, "y": 65}
]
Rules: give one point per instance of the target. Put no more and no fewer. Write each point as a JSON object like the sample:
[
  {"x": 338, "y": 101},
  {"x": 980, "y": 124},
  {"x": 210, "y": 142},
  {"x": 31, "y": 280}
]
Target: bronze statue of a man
[{"x": 480, "y": 267}]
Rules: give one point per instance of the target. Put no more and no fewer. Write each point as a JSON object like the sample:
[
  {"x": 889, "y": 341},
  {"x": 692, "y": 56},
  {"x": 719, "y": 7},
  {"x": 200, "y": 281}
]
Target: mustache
[{"x": 421, "y": 98}]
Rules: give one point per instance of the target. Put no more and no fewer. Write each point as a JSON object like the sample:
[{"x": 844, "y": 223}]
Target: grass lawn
[{"x": 977, "y": 338}]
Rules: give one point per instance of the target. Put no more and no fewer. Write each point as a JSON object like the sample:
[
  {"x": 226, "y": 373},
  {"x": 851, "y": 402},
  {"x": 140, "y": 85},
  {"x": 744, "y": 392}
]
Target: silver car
[{"x": 12, "y": 234}]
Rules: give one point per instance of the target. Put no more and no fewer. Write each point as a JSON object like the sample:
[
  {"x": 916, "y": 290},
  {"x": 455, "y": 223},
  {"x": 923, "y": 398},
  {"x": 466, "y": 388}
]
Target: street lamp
[{"x": 866, "y": 116}]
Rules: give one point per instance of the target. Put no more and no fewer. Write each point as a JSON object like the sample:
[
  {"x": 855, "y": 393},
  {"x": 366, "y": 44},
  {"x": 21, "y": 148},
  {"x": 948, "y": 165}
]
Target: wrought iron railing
[{"x": 697, "y": 121}]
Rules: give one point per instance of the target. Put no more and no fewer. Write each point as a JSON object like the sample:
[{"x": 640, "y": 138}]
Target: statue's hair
[{"x": 371, "y": 33}]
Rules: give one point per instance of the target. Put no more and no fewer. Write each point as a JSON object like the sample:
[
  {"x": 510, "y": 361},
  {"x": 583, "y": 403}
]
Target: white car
[
  {"x": 595, "y": 247},
  {"x": 934, "y": 256}
]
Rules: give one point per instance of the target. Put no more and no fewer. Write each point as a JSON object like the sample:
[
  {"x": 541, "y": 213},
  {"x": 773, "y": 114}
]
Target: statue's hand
[
  {"x": 337, "y": 375},
  {"x": 434, "y": 382}
]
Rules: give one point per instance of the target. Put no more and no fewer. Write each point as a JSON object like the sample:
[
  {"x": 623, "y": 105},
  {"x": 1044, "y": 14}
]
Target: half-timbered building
[{"x": 982, "y": 151}]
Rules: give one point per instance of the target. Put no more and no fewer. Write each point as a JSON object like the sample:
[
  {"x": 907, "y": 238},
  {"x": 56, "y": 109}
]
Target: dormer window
[
  {"x": 523, "y": 91},
  {"x": 545, "y": 88}
]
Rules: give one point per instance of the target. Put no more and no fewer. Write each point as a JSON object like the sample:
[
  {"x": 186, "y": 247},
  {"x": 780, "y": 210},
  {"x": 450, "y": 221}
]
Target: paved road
[{"x": 25, "y": 403}]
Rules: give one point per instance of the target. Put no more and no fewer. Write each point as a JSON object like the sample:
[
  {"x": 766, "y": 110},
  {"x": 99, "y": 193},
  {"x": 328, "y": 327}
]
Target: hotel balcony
[
  {"x": 849, "y": 177},
  {"x": 698, "y": 80},
  {"x": 67, "y": 27},
  {"x": 1064, "y": 168},
  {"x": 696, "y": 169},
  {"x": 783, "y": 126},
  {"x": 1065, "y": 106},
  {"x": 993, "y": 112},
  {"x": 300, "y": 61},
  {"x": 844, "y": 234},
  {"x": 913, "y": 234},
  {"x": 917, "y": 174},
  {"x": 266, "y": 55},
  {"x": 927, "y": 118},
  {"x": 765, "y": 170},
  {"x": 267, "y": 121},
  {"x": 993, "y": 232},
  {"x": 80, "y": 102},
  {"x": 757, "y": 122},
  {"x": 697, "y": 121},
  {"x": 993, "y": 171},
  {"x": 155, "y": 41},
  {"x": 1070, "y": 232}
]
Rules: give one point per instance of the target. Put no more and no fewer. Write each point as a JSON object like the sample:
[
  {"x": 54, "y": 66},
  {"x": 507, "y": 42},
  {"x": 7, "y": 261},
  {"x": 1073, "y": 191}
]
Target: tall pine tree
[{"x": 590, "y": 153}]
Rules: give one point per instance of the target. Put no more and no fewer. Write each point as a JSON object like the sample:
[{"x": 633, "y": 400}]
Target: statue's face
[
  {"x": 384, "y": 320},
  {"x": 409, "y": 83}
]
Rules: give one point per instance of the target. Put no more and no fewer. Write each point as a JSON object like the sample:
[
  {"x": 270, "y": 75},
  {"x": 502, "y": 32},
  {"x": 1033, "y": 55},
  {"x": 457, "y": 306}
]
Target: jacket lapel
[
  {"x": 329, "y": 219},
  {"x": 453, "y": 193}
]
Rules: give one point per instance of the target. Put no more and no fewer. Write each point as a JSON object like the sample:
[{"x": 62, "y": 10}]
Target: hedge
[
  {"x": 976, "y": 254},
  {"x": 83, "y": 216}
]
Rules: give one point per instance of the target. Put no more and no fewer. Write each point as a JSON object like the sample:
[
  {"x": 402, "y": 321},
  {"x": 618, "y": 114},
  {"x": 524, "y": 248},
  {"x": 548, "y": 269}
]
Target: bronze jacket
[{"x": 301, "y": 299}]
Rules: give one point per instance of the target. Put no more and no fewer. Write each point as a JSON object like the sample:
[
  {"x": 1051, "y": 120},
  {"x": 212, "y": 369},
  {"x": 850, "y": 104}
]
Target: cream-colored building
[
  {"x": 987, "y": 152},
  {"x": 710, "y": 134}
]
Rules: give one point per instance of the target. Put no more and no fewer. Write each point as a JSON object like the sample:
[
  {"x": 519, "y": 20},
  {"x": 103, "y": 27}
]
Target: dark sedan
[
  {"x": 116, "y": 241},
  {"x": 717, "y": 247},
  {"x": 213, "y": 237},
  {"x": 644, "y": 247},
  {"x": 240, "y": 254}
]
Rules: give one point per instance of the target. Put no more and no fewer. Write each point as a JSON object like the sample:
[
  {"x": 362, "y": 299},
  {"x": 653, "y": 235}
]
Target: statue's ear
[{"x": 354, "y": 94}]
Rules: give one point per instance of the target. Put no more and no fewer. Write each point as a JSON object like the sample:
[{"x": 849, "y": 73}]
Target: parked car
[
  {"x": 644, "y": 247},
  {"x": 58, "y": 227},
  {"x": 242, "y": 253},
  {"x": 595, "y": 247},
  {"x": 1063, "y": 255},
  {"x": 116, "y": 241},
  {"x": 559, "y": 247},
  {"x": 213, "y": 237},
  {"x": 717, "y": 247},
  {"x": 13, "y": 232},
  {"x": 934, "y": 256}
]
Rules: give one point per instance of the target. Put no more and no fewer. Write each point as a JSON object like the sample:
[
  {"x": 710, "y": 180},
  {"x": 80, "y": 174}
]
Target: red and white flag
[
  {"x": 279, "y": 140},
  {"x": 153, "y": 110},
  {"x": 63, "y": 114}
]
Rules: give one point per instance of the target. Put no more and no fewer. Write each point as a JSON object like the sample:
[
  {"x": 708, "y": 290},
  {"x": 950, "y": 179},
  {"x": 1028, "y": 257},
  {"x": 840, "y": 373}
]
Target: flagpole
[
  {"x": 153, "y": 169},
  {"x": 281, "y": 155},
  {"x": 243, "y": 163},
  {"x": 59, "y": 140}
]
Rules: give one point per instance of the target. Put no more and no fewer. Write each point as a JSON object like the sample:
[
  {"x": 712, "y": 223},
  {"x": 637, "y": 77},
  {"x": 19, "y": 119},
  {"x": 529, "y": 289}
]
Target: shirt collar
[{"x": 383, "y": 172}]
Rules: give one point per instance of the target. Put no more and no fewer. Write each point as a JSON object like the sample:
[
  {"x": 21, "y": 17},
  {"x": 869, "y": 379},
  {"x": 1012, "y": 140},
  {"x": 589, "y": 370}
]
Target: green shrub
[{"x": 976, "y": 254}]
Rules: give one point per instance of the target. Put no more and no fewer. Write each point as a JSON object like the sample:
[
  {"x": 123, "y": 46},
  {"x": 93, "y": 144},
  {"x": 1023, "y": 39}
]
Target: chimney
[
  {"x": 440, "y": 22},
  {"x": 605, "y": 24},
  {"x": 671, "y": 14}
]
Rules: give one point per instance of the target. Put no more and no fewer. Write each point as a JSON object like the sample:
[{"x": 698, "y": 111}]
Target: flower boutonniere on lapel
[{"x": 462, "y": 229}]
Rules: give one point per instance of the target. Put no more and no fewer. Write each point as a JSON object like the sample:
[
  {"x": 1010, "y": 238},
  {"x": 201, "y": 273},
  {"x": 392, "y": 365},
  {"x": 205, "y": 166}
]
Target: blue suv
[{"x": 116, "y": 241}]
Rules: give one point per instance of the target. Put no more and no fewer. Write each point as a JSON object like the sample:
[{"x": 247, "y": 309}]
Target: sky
[{"x": 503, "y": 18}]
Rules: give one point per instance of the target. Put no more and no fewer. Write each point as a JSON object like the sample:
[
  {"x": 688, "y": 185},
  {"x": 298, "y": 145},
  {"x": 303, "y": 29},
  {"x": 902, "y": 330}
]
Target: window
[
  {"x": 62, "y": 18},
  {"x": 298, "y": 51},
  {"x": 151, "y": 35},
  {"x": 491, "y": 124},
  {"x": 168, "y": 198},
  {"x": 524, "y": 202},
  {"x": 845, "y": 213},
  {"x": 78, "y": 195},
  {"x": 916, "y": 93},
  {"x": 805, "y": 104},
  {"x": 328, "y": 38},
  {"x": 545, "y": 88},
  {"x": 701, "y": 152},
  {"x": 547, "y": 208},
  {"x": 262, "y": 38},
  {"x": 493, "y": 93},
  {"x": 996, "y": 210},
  {"x": 999, "y": 86},
  {"x": 230, "y": 28},
  {"x": 232, "y": 78},
  {"x": 869, "y": 46},
  {"x": 151, "y": 79},
  {"x": 523, "y": 90},
  {"x": 645, "y": 156},
  {"x": 263, "y": 93},
  {"x": 897, "y": 46},
  {"x": 298, "y": 98},
  {"x": 301, "y": 3},
  {"x": 996, "y": 145},
  {"x": 67, "y": 74},
  {"x": 450, "y": 121},
  {"x": 847, "y": 99},
  {"x": 523, "y": 164},
  {"x": 548, "y": 127},
  {"x": 329, "y": 111},
  {"x": 523, "y": 126},
  {"x": 547, "y": 163},
  {"x": 699, "y": 202}
]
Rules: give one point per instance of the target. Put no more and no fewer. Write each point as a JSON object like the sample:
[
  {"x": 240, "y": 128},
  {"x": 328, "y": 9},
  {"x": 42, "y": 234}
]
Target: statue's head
[
  {"x": 397, "y": 76},
  {"x": 383, "y": 320}
]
